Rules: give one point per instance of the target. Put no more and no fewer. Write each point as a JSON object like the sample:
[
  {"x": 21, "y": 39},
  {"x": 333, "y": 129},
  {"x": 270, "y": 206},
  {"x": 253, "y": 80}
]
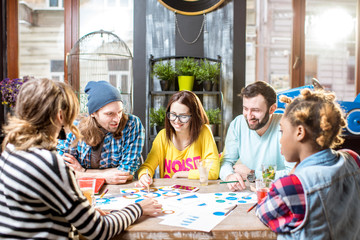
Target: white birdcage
[{"x": 97, "y": 56}]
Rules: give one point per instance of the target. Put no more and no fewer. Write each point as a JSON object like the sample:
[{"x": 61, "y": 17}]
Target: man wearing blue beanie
[{"x": 112, "y": 139}]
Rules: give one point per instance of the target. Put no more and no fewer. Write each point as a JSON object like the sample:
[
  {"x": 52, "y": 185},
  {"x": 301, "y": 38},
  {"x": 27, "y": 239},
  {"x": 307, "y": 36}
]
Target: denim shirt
[{"x": 331, "y": 182}]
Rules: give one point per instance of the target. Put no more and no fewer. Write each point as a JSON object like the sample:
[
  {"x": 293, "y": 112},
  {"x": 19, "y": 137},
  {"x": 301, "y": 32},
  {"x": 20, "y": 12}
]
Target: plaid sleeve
[
  {"x": 284, "y": 207},
  {"x": 133, "y": 145},
  {"x": 64, "y": 146},
  {"x": 353, "y": 154}
]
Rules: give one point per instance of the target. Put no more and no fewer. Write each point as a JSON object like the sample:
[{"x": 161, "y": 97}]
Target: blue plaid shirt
[{"x": 123, "y": 153}]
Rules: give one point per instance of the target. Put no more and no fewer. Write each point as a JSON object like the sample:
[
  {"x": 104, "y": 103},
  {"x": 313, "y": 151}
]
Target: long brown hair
[
  {"x": 92, "y": 134},
  {"x": 37, "y": 105},
  {"x": 198, "y": 114}
]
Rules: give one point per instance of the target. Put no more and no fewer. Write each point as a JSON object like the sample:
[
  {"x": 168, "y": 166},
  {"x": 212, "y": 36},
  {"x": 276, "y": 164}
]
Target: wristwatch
[{"x": 251, "y": 176}]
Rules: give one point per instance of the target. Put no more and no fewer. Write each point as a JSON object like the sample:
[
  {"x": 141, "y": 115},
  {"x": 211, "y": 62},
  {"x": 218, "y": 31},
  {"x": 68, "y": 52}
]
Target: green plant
[
  {"x": 208, "y": 72},
  {"x": 214, "y": 115},
  {"x": 164, "y": 71},
  {"x": 157, "y": 117},
  {"x": 186, "y": 67}
]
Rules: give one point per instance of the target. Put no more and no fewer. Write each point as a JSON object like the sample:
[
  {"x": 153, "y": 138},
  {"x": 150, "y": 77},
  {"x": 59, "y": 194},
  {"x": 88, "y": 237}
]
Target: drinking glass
[
  {"x": 268, "y": 173},
  {"x": 204, "y": 168},
  {"x": 87, "y": 187},
  {"x": 261, "y": 190}
]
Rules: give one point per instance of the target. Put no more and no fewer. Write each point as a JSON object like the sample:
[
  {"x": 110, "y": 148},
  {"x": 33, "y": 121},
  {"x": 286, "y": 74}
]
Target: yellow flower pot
[{"x": 186, "y": 82}]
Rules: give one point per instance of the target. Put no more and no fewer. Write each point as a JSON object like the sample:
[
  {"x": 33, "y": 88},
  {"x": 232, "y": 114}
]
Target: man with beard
[
  {"x": 112, "y": 139},
  {"x": 253, "y": 137}
]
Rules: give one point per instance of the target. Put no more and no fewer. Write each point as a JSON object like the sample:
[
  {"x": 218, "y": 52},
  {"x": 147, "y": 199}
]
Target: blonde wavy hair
[
  {"x": 319, "y": 113},
  {"x": 37, "y": 105}
]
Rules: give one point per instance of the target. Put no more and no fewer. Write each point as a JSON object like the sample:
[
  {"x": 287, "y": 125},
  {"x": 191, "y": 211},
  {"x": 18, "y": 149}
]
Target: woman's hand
[
  {"x": 145, "y": 181},
  {"x": 150, "y": 207}
]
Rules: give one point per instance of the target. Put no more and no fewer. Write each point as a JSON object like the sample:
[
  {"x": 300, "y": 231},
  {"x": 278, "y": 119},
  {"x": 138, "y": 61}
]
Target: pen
[
  {"x": 101, "y": 196},
  {"x": 230, "y": 210},
  {"x": 230, "y": 182},
  {"x": 148, "y": 187},
  {"x": 252, "y": 207}
]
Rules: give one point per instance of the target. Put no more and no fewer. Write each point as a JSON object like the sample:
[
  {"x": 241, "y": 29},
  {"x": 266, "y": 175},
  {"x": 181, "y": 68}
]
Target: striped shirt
[
  {"x": 39, "y": 198},
  {"x": 123, "y": 153}
]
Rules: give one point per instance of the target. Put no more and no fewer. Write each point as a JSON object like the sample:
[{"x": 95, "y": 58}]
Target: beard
[{"x": 261, "y": 123}]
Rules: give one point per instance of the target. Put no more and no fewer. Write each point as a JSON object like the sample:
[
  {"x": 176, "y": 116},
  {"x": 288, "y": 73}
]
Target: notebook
[{"x": 98, "y": 185}]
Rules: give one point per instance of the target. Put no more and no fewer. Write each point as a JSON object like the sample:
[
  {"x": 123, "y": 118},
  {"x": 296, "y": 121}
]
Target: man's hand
[
  {"x": 111, "y": 175},
  {"x": 72, "y": 162},
  {"x": 237, "y": 186},
  {"x": 115, "y": 176},
  {"x": 242, "y": 169}
]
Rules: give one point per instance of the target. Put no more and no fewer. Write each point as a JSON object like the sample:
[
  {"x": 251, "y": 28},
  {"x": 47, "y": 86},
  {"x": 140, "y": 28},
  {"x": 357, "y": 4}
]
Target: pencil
[
  {"x": 148, "y": 187},
  {"x": 230, "y": 182},
  {"x": 230, "y": 210},
  {"x": 101, "y": 196},
  {"x": 252, "y": 207}
]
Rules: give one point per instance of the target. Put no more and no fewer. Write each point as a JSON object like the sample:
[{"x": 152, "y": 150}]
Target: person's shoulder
[
  {"x": 161, "y": 137},
  {"x": 38, "y": 155},
  {"x": 133, "y": 119},
  {"x": 205, "y": 128},
  {"x": 353, "y": 154},
  {"x": 287, "y": 184},
  {"x": 238, "y": 120},
  {"x": 161, "y": 133}
]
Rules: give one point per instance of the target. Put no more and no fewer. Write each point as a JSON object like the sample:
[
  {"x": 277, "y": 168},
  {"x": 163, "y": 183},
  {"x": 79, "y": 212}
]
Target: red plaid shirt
[{"x": 284, "y": 207}]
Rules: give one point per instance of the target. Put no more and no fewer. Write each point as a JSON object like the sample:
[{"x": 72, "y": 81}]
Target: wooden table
[{"x": 238, "y": 225}]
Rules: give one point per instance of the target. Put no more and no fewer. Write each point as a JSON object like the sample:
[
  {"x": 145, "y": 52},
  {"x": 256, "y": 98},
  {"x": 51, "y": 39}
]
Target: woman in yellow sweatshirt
[{"x": 185, "y": 140}]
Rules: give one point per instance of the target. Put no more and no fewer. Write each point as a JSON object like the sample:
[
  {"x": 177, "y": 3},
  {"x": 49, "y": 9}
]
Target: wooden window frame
[
  {"x": 71, "y": 23},
  {"x": 297, "y": 66}
]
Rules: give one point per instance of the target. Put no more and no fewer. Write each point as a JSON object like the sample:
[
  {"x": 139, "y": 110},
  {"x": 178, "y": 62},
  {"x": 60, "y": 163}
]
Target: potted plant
[
  {"x": 208, "y": 74},
  {"x": 166, "y": 73},
  {"x": 214, "y": 116},
  {"x": 186, "y": 69},
  {"x": 157, "y": 118}
]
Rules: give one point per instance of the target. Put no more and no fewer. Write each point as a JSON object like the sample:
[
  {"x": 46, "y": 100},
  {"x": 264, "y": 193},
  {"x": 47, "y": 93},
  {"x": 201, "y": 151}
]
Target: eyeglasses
[{"x": 182, "y": 118}]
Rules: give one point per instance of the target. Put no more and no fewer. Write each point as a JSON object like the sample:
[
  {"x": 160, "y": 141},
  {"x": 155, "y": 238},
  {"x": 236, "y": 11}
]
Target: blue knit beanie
[{"x": 99, "y": 94}]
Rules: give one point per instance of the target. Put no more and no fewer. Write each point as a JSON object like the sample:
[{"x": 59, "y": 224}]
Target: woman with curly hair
[{"x": 320, "y": 198}]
